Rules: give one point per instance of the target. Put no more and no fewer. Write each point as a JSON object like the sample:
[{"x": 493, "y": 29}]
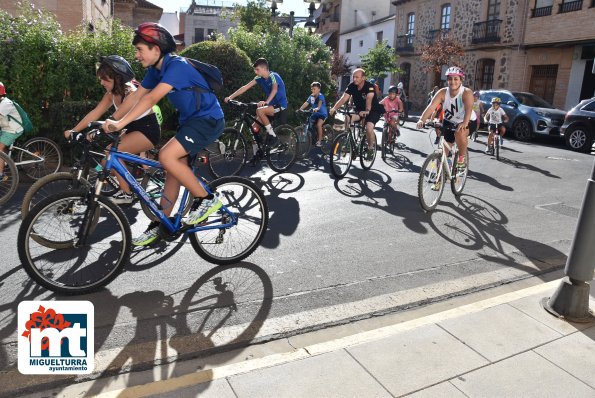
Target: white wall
[
  {"x": 171, "y": 21},
  {"x": 368, "y": 36},
  {"x": 359, "y": 12},
  {"x": 575, "y": 83}
]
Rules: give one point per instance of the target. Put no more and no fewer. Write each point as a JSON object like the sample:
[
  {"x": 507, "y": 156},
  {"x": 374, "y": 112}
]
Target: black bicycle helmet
[
  {"x": 393, "y": 89},
  {"x": 155, "y": 33},
  {"x": 120, "y": 66}
]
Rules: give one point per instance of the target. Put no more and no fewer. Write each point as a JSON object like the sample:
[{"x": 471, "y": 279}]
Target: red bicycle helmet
[
  {"x": 155, "y": 33},
  {"x": 2, "y": 89}
]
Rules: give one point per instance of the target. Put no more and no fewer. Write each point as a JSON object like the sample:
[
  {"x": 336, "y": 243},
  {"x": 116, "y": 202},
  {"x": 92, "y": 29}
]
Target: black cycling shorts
[
  {"x": 493, "y": 126},
  {"x": 148, "y": 126},
  {"x": 373, "y": 117},
  {"x": 448, "y": 129}
]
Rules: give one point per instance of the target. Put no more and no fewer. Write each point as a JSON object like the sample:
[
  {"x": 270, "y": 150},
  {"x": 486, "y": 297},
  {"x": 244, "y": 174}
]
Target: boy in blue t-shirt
[
  {"x": 201, "y": 120},
  {"x": 274, "y": 88},
  {"x": 318, "y": 104}
]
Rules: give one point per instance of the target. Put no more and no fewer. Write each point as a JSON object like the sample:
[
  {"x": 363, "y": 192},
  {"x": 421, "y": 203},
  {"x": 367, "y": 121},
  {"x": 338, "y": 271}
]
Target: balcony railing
[
  {"x": 405, "y": 44},
  {"x": 541, "y": 11},
  {"x": 571, "y": 6},
  {"x": 436, "y": 34},
  {"x": 486, "y": 32}
]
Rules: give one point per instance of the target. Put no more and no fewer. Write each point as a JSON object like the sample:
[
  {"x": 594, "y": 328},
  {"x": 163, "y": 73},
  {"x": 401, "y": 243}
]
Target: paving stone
[
  {"x": 442, "y": 390},
  {"x": 215, "y": 389}
]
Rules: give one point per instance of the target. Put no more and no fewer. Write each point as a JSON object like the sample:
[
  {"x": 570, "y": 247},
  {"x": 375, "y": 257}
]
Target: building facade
[
  {"x": 201, "y": 21},
  {"x": 362, "y": 26},
  {"x": 135, "y": 12},
  {"x": 329, "y": 20},
  {"x": 490, "y": 31},
  {"x": 94, "y": 14}
]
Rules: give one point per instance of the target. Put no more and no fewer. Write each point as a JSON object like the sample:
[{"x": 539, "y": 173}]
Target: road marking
[{"x": 204, "y": 376}]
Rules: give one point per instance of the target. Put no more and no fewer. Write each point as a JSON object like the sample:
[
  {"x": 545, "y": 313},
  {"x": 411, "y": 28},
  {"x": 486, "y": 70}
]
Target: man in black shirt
[{"x": 367, "y": 105}]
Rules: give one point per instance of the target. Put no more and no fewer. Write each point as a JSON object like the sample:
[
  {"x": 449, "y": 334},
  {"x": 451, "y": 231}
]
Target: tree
[
  {"x": 254, "y": 16},
  {"x": 340, "y": 66},
  {"x": 380, "y": 61},
  {"x": 444, "y": 51}
]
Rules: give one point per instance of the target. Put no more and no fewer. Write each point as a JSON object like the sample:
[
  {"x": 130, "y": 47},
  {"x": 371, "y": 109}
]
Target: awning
[{"x": 326, "y": 36}]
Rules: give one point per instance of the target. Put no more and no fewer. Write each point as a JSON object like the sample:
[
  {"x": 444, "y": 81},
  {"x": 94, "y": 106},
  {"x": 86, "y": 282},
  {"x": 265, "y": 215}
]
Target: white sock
[{"x": 270, "y": 130}]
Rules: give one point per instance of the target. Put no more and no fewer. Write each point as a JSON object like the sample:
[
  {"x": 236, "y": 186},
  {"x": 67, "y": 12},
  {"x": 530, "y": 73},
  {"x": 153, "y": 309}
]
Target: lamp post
[
  {"x": 292, "y": 20},
  {"x": 274, "y": 7}
]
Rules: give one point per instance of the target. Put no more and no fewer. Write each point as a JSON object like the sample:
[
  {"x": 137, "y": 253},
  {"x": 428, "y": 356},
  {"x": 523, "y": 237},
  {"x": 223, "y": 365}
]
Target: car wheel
[
  {"x": 579, "y": 139},
  {"x": 522, "y": 130}
]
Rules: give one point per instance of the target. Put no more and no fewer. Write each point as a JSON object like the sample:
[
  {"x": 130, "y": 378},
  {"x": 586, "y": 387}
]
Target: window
[
  {"x": 361, "y": 43},
  {"x": 485, "y": 74},
  {"x": 589, "y": 107},
  {"x": 348, "y": 46},
  {"x": 543, "y": 81},
  {"x": 404, "y": 78},
  {"x": 379, "y": 37},
  {"x": 199, "y": 35},
  {"x": 542, "y": 8},
  {"x": 410, "y": 27},
  {"x": 493, "y": 9},
  {"x": 445, "y": 17}
]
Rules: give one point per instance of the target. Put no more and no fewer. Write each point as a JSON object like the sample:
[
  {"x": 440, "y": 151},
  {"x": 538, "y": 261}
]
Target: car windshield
[{"x": 532, "y": 100}]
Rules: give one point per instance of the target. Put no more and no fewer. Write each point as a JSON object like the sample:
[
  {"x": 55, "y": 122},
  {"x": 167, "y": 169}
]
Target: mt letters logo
[{"x": 56, "y": 337}]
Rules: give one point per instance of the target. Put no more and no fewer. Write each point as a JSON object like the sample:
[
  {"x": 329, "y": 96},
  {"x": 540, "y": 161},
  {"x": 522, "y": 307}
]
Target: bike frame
[
  {"x": 443, "y": 147},
  {"x": 113, "y": 163},
  {"x": 38, "y": 160}
]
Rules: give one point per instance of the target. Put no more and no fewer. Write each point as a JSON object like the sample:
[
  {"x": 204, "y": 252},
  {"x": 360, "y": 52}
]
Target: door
[{"x": 588, "y": 88}]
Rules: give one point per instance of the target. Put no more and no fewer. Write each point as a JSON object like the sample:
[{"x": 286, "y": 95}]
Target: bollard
[{"x": 571, "y": 300}]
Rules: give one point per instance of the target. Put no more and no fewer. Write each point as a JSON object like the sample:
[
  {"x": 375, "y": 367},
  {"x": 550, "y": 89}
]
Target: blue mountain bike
[{"x": 75, "y": 242}]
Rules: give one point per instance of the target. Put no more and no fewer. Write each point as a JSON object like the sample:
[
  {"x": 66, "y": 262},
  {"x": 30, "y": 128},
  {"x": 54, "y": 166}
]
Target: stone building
[
  {"x": 491, "y": 32},
  {"x": 95, "y": 14},
  {"x": 559, "y": 49},
  {"x": 329, "y": 19},
  {"x": 202, "y": 20},
  {"x": 135, "y": 12}
]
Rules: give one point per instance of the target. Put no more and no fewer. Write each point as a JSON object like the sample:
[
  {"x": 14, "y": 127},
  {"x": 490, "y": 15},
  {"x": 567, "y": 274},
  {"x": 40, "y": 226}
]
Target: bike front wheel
[
  {"x": 367, "y": 154},
  {"x": 329, "y": 135},
  {"x": 227, "y": 154},
  {"x": 89, "y": 262},
  {"x": 248, "y": 206},
  {"x": 341, "y": 155},
  {"x": 47, "y": 186},
  {"x": 283, "y": 154},
  {"x": 10, "y": 179},
  {"x": 44, "y": 155},
  {"x": 305, "y": 141},
  {"x": 459, "y": 178},
  {"x": 497, "y": 146},
  {"x": 430, "y": 184}
]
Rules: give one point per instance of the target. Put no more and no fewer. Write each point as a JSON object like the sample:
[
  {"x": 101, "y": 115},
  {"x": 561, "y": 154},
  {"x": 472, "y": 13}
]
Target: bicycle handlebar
[{"x": 242, "y": 104}]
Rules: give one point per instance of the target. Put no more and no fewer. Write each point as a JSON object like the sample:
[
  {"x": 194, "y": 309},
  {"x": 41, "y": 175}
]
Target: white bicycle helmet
[{"x": 455, "y": 71}]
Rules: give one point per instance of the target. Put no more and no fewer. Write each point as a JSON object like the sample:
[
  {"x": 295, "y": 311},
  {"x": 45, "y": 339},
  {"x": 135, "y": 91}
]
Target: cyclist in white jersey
[
  {"x": 494, "y": 117},
  {"x": 457, "y": 101}
]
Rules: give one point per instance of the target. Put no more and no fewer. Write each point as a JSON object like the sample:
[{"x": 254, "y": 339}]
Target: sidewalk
[{"x": 506, "y": 346}]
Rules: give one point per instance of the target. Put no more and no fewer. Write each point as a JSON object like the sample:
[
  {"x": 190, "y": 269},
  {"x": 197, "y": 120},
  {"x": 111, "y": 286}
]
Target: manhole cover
[{"x": 561, "y": 208}]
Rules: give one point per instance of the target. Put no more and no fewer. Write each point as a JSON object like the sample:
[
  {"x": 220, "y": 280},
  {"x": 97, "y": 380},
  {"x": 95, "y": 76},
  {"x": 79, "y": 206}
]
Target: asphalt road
[{"x": 335, "y": 251}]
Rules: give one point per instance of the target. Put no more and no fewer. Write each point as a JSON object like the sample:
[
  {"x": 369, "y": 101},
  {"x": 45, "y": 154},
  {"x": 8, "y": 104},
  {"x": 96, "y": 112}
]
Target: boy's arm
[
  {"x": 95, "y": 114},
  {"x": 319, "y": 106},
  {"x": 129, "y": 102},
  {"x": 344, "y": 98},
  {"x": 241, "y": 90},
  {"x": 486, "y": 118},
  {"x": 504, "y": 116},
  {"x": 271, "y": 96},
  {"x": 304, "y": 105}
]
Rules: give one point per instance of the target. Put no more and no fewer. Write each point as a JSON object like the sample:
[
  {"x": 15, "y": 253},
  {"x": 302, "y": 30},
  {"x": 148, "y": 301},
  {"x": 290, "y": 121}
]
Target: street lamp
[
  {"x": 274, "y": 7},
  {"x": 310, "y": 22}
]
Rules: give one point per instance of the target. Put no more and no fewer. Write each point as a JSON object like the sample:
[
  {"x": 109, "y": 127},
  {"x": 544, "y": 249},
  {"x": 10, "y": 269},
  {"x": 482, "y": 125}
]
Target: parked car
[
  {"x": 579, "y": 126},
  {"x": 528, "y": 114}
]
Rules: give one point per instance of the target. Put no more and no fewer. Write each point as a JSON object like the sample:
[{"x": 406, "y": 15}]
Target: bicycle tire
[
  {"x": 39, "y": 190},
  {"x": 205, "y": 241},
  {"x": 52, "y": 157},
  {"x": 401, "y": 121},
  {"x": 425, "y": 181},
  {"x": 384, "y": 143},
  {"x": 497, "y": 146},
  {"x": 304, "y": 141},
  {"x": 227, "y": 155},
  {"x": 284, "y": 153},
  {"x": 156, "y": 177},
  {"x": 457, "y": 183},
  {"x": 341, "y": 155},
  {"x": 364, "y": 160},
  {"x": 8, "y": 186},
  {"x": 329, "y": 135},
  {"x": 56, "y": 283}
]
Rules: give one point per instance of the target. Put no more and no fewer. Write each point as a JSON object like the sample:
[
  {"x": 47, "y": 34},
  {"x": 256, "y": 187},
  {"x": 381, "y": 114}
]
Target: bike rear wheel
[
  {"x": 384, "y": 143},
  {"x": 284, "y": 153},
  {"x": 47, "y": 157},
  {"x": 329, "y": 135},
  {"x": 232, "y": 244},
  {"x": 78, "y": 268},
  {"x": 47, "y": 186},
  {"x": 430, "y": 183},
  {"x": 227, "y": 154},
  {"x": 459, "y": 178},
  {"x": 10, "y": 180},
  {"x": 367, "y": 154},
  {"x": 341, "y": 155}
]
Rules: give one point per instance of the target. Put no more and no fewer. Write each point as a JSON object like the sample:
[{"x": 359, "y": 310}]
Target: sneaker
[
  {"x": 3, "y": 177},
  {"x": 461, "y": 164},
  {"x": 203, "y": 208},
  {"x": 501, "y": 141},
  {"x": 488, "y": 150},
  {"x": 318, "y": 144},
  {"x": 437, "y": 140},
  {"x": 122, "y": 197},
  {"x": 149, "y": 236}
]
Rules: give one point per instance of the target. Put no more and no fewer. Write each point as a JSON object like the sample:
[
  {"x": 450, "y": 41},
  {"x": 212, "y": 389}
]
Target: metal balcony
[
  {"x": 405, "y": 44},
  {"x": 436, "y": 34},
  {"x": 571, "y": 6},
  {"x": 486, "y": 32},
  {"x": 541, "y": 11}
]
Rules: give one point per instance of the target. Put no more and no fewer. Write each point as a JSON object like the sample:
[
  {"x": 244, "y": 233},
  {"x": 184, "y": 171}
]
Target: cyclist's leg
[
  {"x": 371, "y": 120},
  {"x": 319, "y": 123},
  {"x": 502, "y": 130},
  {"x": 6, "y": 140},
  {"x": 264, "y": 113},
  {"x": 462, "y": 139}
]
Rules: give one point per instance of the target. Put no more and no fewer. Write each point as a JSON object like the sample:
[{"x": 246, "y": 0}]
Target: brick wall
[{"x": 556, "y": 28}]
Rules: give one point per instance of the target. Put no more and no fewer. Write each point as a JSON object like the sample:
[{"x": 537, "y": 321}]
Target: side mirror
[{"x": 513, "y": 104}]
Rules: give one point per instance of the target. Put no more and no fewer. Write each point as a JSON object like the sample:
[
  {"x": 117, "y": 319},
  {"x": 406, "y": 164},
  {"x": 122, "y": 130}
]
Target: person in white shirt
[
  {"x": 495, "y": 117},
  {"x": 10, "y": 125}
]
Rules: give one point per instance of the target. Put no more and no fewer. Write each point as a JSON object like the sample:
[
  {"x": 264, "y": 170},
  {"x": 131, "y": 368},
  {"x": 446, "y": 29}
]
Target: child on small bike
[
  {"x": 10, "y": 126},
  {"x": 116, "y": 76},
  {"x": 495, "y": 116},
  {"x": 393, "y": 107},
  {"x": 318, "y": 104},
  {"x": 201, "y": 120}
]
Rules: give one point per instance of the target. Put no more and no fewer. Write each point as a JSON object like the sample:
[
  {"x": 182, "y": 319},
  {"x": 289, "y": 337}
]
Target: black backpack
[{"x": 211, "y": 73}]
